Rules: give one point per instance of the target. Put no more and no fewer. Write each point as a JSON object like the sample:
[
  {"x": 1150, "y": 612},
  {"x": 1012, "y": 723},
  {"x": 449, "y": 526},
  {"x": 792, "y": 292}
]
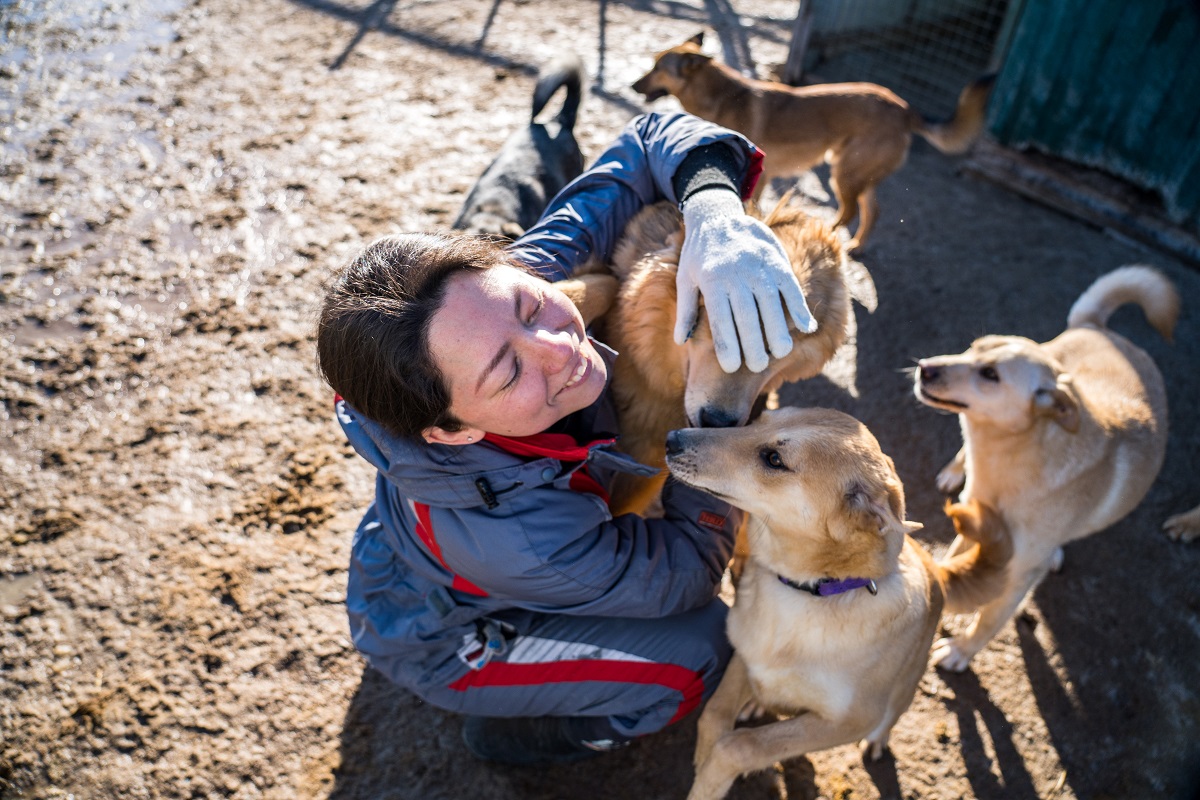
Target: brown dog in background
[
  {"x": 837, "y": 605},
  {"x": 1062, "y": 438},
  {"x": 659, "y": 386},
  {"x": 864, "y": 130}
]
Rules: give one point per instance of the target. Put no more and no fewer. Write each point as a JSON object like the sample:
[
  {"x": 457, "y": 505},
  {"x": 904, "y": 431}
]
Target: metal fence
[{"x": 924, "y": 50}]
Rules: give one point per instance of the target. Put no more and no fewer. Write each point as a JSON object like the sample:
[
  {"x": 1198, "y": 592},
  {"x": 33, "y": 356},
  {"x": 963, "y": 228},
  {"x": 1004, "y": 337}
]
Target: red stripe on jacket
[
  {"x": 500, "y": 673},
  {"x": 425, "y": 532},
  {"x": 753, "y": 172},
  {"x": 555, "y": 445}
]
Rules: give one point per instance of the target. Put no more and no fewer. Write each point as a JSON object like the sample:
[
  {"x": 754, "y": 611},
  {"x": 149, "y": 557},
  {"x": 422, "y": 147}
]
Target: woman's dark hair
[{"x": 372, "y": 335}]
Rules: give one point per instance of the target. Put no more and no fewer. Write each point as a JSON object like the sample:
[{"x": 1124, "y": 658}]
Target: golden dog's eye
[
  {"x": 772, "y": 458},
  {"x": 989, "y": 373}
]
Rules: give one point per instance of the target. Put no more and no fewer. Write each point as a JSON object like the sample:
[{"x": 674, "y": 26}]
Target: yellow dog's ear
[
  {"x": 883, "y": 514},
  {"x": 1059, "y": 404},
  {"x": 697, "y": 40},
  {"x": 593, "y": 295}
]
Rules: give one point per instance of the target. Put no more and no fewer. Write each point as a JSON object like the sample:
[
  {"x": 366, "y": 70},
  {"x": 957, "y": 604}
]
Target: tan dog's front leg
[
  {"x": 592, "y": 294},
  {"x": 956, "y": 653},
  {"x": 951, "y": 478},
  {"x": 749, "y": 749},
  {"x": 1184, "y": 527},
  {"x": 721, "y": 712}
]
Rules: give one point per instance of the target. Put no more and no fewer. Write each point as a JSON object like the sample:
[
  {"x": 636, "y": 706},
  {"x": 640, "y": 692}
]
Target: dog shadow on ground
[
  {"x": 982, "y": 727},
  {"x": 1104, "y": 671}
]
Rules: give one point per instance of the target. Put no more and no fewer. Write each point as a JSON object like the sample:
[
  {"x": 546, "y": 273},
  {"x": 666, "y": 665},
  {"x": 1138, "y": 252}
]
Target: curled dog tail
[
  {"x": 565, "y": 70},
  {"x": 1135, "y": 283},
  {"x": 955, "y": 135},
  {"x": 977, "y": 576}
]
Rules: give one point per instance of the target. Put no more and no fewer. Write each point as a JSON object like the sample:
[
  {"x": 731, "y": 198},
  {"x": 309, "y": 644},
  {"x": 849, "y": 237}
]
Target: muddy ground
[{"x": 177, "y": 501}]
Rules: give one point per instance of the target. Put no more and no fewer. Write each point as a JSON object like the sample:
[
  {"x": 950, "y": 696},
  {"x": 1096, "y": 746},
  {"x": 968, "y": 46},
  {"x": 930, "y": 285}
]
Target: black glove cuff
[{"x": 707, "y": 167}]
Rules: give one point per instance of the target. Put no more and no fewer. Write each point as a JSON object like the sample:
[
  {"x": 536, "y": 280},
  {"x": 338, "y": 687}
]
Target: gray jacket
[{"x": 457, "y": 535}]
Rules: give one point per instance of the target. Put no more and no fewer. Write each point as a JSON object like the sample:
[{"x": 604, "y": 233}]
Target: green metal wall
[{"x": 1113, "y": 84}]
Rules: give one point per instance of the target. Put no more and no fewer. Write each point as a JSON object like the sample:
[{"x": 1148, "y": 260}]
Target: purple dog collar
[{"x": 824, "y": 587}]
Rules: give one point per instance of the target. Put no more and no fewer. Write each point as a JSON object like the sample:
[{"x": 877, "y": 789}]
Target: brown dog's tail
[
  {"x": 1135, "y": 283},
  {"x": 955, "y": 135},
  {"x": 565, "y": 70},
  {"x": 977, "y": 576}
]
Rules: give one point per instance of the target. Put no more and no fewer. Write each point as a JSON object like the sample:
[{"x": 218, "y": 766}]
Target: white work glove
[{"x": 740, "y": 267}]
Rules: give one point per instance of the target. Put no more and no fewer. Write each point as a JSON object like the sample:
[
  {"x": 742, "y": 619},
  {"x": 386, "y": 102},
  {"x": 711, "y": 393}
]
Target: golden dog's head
[
  {"x": 815, "y": 478},
  {"x": 644, "y": 319},
  {"x": 1008, "y": 382},
  {"x": 672, "y": 69}
]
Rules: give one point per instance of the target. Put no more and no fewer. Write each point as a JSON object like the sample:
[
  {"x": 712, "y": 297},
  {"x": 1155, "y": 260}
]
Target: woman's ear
[{"x": 436, "y": 435}]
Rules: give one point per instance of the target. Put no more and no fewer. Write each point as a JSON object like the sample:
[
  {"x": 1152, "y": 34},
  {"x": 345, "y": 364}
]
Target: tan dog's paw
[
  {"x": 947, "y": 655},
  {"x": 1184, "y": 527},
  {"x": 1056, "y": 560},
  {"x": 952, "y": 477},
  {"x": 872, "y": 751},
  {"x": 752, "y": 712}
]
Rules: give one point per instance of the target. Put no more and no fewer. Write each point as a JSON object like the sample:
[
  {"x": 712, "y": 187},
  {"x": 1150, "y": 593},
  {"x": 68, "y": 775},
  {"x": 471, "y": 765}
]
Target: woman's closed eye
[
  {"x": 516, "y": 375},
  {"x": 535, "y": 307}
]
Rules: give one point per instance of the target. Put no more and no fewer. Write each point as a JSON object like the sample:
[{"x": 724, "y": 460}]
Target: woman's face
[{"x": 514, "y": 354}]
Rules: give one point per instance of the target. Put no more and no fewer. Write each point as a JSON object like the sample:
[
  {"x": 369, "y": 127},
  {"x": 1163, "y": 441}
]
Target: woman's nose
[{"x": 556, "y": 349}]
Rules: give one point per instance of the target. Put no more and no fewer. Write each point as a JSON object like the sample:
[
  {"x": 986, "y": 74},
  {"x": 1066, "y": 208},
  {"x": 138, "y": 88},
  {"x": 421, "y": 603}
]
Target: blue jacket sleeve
[
  {"x": 558, "y": 552},
  {"x": 585, "y": 220}
]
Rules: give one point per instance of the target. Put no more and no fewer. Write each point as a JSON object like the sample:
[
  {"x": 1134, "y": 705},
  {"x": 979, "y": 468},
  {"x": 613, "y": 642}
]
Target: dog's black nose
[
  {"x": 929, "y": 373},
  {"x": 715, "y": 418},
  {"x": 674, "y": 443}
]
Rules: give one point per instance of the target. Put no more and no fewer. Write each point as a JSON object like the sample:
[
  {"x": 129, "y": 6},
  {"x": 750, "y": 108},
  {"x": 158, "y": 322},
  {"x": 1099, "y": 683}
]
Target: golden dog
[
  {"x": 659, "y": 386},
  {"x": 864, "y": 130},
  {"x": 837, "y": 605},
  {"x": 1062, "y": 438}
]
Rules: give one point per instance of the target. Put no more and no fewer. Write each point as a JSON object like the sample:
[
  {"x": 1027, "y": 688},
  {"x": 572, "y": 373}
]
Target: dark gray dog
[{"x": 534, "y": 163}]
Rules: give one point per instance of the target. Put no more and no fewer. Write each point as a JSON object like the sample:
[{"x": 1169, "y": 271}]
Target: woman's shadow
[{"x": 393, "y": 745}]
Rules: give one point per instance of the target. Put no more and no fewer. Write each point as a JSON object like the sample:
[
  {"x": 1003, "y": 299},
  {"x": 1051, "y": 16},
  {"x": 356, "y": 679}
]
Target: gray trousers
[{"x": 639, "y": 674}]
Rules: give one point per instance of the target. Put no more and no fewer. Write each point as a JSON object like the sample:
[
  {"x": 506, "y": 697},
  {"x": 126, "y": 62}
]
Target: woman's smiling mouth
[{"x": 577, "y": 375}]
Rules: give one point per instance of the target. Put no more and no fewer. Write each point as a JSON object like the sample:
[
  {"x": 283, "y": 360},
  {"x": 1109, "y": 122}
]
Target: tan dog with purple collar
[{"x": 837, "y": 605}]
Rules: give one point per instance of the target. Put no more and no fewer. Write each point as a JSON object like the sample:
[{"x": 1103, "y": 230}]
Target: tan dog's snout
[
  {"x": 671, "y": 68},
  {"x": 646, "y": 89},
  {"x": 689, "y": 456},
  {"x": 713, "y": 417},
  {"x": 717, "y": 399},
  {"x": 928, "y": 372},
  {"x": 931, "y": 379},
  {"x": 675, "y": 443}
]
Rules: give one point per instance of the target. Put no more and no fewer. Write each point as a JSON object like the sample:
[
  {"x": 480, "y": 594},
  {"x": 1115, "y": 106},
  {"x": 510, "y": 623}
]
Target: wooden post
[{"x": 793, "y": 69}]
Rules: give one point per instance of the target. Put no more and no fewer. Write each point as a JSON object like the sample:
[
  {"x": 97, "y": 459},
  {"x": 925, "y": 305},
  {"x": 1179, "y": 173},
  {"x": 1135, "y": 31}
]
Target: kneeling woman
[{"x": 488, "y": 576}]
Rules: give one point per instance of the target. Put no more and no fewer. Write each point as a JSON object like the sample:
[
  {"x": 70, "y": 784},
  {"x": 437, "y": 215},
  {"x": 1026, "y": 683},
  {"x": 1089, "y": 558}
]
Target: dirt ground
[{"x": 177, "y": 501}]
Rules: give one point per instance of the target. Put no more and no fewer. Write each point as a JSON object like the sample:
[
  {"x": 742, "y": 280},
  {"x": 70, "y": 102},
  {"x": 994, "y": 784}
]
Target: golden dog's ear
[
  {"x": 1059, "y": 404},
  {"x": 697, "y": 40}
]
